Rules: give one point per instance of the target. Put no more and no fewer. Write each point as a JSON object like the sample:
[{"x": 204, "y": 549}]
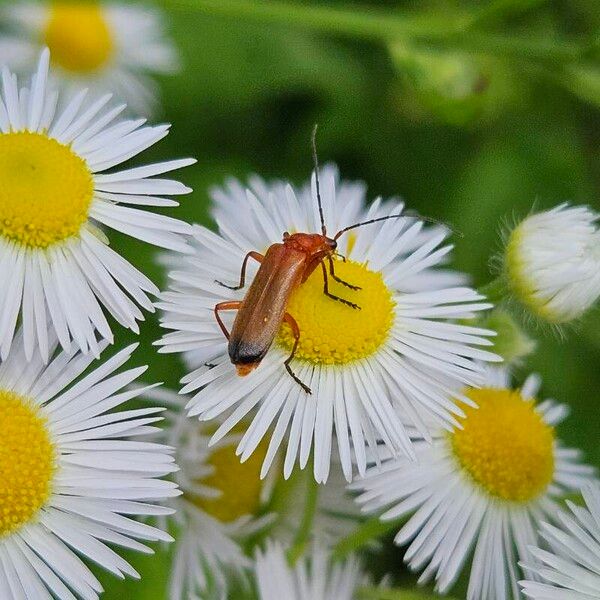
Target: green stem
[
  {"x": 357, "y": 23},
  {"x": 386, "y": 26},
  {"x": 499, "y": 10},
  {"x": 366, "y": 532},
  {"x": 495, "y": 290},
  {"x": 305, "y": 527}
]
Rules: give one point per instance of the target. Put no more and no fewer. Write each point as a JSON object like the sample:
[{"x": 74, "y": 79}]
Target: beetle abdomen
[
  {"x": 244, "y": 351},
  {"x": 259, "y": 318}
]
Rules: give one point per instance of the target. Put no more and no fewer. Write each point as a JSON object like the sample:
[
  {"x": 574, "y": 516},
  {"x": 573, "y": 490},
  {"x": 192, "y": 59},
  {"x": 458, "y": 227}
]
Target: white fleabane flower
[
  {"x": 56, "y": 268},
  {"x": 552, "y": 262},
  {"x": 107, "y": 47},
  {"x": 569, "y": 566},
  {"x": 487, "y": 485},
  {"x": 72, "y": 477},
  {"x": 394, "y": 361},
  {"x": 219, "y": 510},
  {"x": 315, "y": 577}
]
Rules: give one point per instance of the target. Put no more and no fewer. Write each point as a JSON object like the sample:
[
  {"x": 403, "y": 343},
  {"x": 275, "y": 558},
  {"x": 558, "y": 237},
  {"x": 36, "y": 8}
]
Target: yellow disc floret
[
  {"x": 332, "y": 332},
  {"x": 45, "y": 190},
  {"x": 78, "y": 36},
  {"x": 505, "y": 446},
  {"x": 27, "y": 462},
  {"x": 239, "y": 483}
]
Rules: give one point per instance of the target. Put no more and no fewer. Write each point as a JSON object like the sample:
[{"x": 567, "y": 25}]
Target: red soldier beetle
[{"x": 283, "y": 268}]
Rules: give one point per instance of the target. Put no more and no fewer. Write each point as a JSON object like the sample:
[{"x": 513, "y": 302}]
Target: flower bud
[
  {"x": 552, "y": 263},
  {"x": 454, "y": 87}
]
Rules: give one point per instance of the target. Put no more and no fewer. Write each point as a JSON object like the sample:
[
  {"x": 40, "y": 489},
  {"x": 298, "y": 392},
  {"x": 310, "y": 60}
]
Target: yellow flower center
[
  {"x": 78, "y": 36},
  {"x": 45, "y": 190},
  {"x": 239, "y": 483},
  {"x": 332, "y": 332},
  {"x": 27, "y": 462},
  {"x": 505, "y": 446}
]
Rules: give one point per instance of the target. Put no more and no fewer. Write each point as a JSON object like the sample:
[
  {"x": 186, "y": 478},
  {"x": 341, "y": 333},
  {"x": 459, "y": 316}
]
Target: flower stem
[
  {"x": 495, "y": 290},
  {"x": 357, "y": 23},
  {"x": 366, "y": 532},
  {"x": 498, "y": 10},
  {"x": 381, "y": 25},
  {"x": 305, "y": 527}
]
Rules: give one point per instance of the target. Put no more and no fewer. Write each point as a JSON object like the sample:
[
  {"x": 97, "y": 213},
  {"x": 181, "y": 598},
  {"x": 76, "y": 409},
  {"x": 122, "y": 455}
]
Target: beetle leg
[
  {"x": 231, "y": 305},
  {"x": 257, "y": 257},
  {"x": 332, "y": 273},
  {"x": 333, "y": 297},
  {"x": 296, "y": 332}
]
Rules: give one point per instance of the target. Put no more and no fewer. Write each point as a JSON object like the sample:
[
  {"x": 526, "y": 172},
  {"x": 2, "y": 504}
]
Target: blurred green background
[{"x": 471, "y": 111}]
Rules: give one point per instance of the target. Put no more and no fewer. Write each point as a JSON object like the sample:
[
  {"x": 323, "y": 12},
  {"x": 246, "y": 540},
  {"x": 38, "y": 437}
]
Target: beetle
[{"x": 283, "y": 268}]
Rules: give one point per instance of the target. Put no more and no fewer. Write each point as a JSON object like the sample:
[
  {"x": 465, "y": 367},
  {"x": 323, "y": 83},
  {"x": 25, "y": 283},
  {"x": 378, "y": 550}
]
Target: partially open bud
[
  {"x": 455, "y": 87},
  {"x": 552, "y": 263}
]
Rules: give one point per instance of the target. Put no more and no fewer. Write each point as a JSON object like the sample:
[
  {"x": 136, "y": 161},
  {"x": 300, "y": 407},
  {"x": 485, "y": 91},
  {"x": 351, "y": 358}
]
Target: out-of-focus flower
[
  {"x": 220, "y": 509},
  {"x": 71, "y": 475},
  {"x": 488, "y": 484},
  {"x": 552, "y": 263},
  {"x": 569, "y": 566},
  {"x": 107, "y": 47},
  {"x": 315, "y": 577},
  {"x": 56, "y": 268},
  {"x": 371, "y": 371}
]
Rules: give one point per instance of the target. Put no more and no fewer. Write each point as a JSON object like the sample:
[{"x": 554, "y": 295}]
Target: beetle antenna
[
  {"x": 341, "y": 231},
  {"x": 405, "y": 214},
  {"x": 316, "y": 163},
  {"x": 415, "y": 215}
]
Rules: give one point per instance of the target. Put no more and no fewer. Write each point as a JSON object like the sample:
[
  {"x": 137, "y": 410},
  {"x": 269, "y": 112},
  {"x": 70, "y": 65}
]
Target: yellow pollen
[
  {"x": 78, "y": 36},
  {"x": 332, "y": 332},
  {"x": 505, "y": 446},
  {"x": 45, "y": 190},
  {"x": 27, "y": 462},
  {"x": 239, "y": 483}
]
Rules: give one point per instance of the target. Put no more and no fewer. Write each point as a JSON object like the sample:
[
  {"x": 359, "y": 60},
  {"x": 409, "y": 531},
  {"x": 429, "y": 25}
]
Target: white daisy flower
[
  {"x": 220, "y": 509},
  {"x": 315, "y": 577},
  {"x": 570, "y": 568},
  {"x": 71, "y": 476},
  {"x": 552, "y": 262},
  {"x": 488, "y": 485},
  {"x": 56, "y": 268},
  {"x": 107, "y": 47},
  {"x": 372, "y": 370}
]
